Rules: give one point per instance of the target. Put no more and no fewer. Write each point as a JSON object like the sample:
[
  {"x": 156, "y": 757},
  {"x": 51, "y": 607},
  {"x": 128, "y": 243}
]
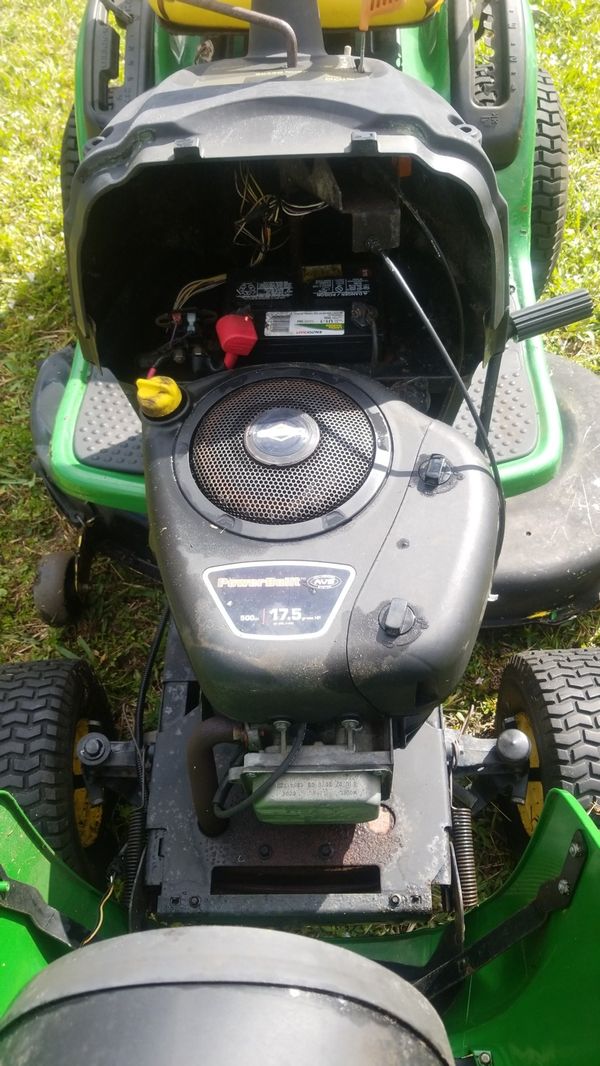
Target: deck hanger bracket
[{"x": 553, "y": 895}]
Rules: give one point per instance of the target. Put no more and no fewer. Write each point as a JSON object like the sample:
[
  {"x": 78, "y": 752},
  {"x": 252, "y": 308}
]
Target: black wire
[
  {"x": 443, "y": 260},
  {"x": 406, "y": 289},
  {"x": 226, "y": 785},
  {"x": 266, "y": 786},
  {"x": 138, "y": 722}
]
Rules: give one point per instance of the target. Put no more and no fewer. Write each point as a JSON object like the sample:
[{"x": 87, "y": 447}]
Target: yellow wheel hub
[
  {"x": 531, "y": 809},
  {"x": 88, "y": 819}
]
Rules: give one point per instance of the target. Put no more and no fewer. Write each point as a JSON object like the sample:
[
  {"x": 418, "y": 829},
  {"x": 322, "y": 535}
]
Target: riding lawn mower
[{"x": 305, "y": 246}]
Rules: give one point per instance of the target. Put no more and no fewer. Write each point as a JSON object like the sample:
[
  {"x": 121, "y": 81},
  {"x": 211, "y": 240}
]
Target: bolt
[
  {"x": 175, "y": 900},
  {"x": 282, "y": 726},
  {"x": 563, "y": 887},
  {"x": 485, "y": 1058},
  {"x": 575, "y": 849},
  {"x": 352, "y": 726},
  {"x": 92, "y": 747},
  {"x": 325, "y": 851},
  {"x": 394, "y": 900},
  {"x": 265, "y": 851},
  {"x": 194, "y": 901}
]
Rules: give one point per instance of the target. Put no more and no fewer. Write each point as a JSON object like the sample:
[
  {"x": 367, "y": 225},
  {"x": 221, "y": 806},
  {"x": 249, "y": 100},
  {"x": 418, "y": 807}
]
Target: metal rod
[
  {"x": 234, "y": 12},
  {"x": 488, "y": 397}
]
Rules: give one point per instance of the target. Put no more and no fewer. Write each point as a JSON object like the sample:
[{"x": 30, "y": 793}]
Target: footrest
[
  {"x": 514, "y": 427},
  {"x": 108, "y": 432}
]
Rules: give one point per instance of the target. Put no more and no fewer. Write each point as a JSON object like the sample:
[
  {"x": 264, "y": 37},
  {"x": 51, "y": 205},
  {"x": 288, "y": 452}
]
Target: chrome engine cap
[{"x": 281, "y": 436}]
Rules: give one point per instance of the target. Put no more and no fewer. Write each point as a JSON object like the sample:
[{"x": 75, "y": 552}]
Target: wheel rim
[
  {"x": 531, "y": 809},
  {"x": 88, "y": 819}
]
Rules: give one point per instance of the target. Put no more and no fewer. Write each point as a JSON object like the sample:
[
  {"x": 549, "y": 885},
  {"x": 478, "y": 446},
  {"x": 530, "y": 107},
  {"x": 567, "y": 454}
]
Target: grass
[{"x": 37, "y": 43}]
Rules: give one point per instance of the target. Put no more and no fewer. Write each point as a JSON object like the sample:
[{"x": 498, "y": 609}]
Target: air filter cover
[{"x": 282, "y": 451}]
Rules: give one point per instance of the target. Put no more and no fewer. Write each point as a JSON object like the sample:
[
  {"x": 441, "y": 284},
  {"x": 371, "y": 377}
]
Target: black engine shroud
[{"x": 361, "y": 589}]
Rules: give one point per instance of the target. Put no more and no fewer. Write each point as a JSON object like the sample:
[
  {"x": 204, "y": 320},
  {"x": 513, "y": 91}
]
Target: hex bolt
[
  {"x": 282, "y": 726},
  {"x": 265, "y": 851},
  {"x": 194, "y": 901},
  {"x": 92, "y": 747},
  {"x": 563, "y": 887},
  {"x": 325, "y": 851},
  {"x": 394, "y": 900},
  {"x": 575, "y": 849},
  {"x": 485, "y": 1058},
  {"x": 352, "y": 726}
]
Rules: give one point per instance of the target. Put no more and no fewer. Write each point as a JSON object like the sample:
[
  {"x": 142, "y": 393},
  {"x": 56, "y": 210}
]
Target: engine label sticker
[
  {"x": 279, "y": 600},
  {"x": 304, "y": 323}
]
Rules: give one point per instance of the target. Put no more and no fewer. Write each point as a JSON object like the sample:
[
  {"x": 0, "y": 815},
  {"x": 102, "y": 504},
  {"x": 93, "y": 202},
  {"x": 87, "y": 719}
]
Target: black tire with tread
[
  {"x": 550, "y": 171},
  {"x": 550, "y": 183},
  {"x": 40, "y": 706},
  {"x": 69, "y": 159},
  {"x": 559, "y": 692}
]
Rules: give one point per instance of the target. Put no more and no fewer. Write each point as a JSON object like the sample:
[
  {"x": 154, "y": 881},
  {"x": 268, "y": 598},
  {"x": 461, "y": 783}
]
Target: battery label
[
  {"x": 304, "y": 323},
  {"x": 329, "y": 288},
  {"x": 265, "y": 289}
]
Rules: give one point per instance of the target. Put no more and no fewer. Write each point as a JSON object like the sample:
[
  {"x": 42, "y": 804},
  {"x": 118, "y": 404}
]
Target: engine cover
[{"x": 326, "y": 550}]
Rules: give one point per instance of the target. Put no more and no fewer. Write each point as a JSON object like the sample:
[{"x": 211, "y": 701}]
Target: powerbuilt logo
[{"x": 258, "y": 582}]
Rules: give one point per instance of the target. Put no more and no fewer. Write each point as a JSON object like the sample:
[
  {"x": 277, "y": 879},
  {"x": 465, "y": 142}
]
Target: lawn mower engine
[{"x": 327, "y": 552}]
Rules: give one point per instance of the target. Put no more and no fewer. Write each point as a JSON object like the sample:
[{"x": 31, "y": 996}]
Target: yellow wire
[
  {"x": 194, "y": 287},
  {"x": 101, "y": 907}
]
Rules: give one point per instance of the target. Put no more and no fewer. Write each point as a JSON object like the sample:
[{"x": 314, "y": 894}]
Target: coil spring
[
  {"x": 462, "y": 828},
  {"x": 135, "y": 846}
]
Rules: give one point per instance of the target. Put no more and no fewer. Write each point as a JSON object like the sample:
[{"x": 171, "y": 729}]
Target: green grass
[{"x": 37, "y": 43}]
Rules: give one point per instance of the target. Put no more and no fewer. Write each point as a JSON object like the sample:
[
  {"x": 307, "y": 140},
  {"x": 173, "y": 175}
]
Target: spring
[
  {"x": 462, "y": 828},
  {"x": 135, "y": 847}
]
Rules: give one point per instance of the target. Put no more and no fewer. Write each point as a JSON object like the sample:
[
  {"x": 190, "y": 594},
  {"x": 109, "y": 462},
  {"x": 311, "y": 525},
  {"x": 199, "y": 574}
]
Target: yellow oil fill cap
[{"x": 158, "y": 396}]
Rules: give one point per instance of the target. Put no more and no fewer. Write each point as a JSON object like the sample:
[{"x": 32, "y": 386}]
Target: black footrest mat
[
  {"x": 514, "y": 427},
  {"x": 108, "y": 432}
]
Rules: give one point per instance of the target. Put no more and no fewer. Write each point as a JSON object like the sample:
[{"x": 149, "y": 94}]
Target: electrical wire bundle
[
  {"x": 196, "y": 288},
  {"x": 263, "y": 215}
]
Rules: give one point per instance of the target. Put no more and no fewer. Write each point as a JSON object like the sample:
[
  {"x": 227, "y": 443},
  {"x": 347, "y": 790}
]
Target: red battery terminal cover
[{"x": 237, "y": 336}]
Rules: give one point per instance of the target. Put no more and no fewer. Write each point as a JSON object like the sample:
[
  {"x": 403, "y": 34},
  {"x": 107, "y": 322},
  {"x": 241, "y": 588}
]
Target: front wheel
[
  {"x": 554, "y": 697},
  {"x": 45, "y": 709}
]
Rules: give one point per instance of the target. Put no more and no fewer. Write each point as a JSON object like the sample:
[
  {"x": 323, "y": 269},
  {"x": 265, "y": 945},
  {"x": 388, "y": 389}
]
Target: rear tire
[
  {"x": 45, "y": 707},
  {"x": 550, "y": 171},
  {"x": 554, "y": 696},
  {"x": 550, "y": 183},
  {"x": 69, "y": 159}
]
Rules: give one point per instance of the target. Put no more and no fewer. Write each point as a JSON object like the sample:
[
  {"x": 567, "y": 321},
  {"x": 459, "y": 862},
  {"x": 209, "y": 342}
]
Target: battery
[{"x": 325, "y": 316}]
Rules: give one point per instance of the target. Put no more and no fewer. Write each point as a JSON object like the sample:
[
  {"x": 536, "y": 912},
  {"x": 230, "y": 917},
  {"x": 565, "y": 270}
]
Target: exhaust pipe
[{"x": 202, "y": 769}]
